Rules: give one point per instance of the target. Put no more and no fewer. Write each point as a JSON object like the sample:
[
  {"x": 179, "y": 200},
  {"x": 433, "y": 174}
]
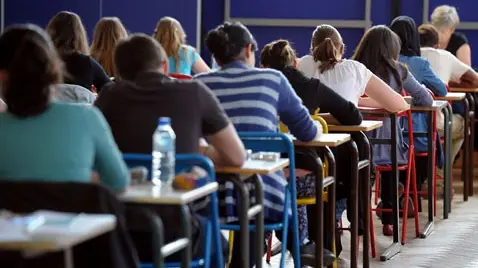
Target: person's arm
[
  {"x": 109, "y": 161},
  {"x": 420, "y": 94},
  {"x": 293, "y": 114},
  {"x": 199, "y": 66},
  {"x": 383, "y": 95},
  {"x": 431, "y": 81},
  {"x": 100, "y": 77},
  {"x": 225, "y": 147},
  {"x": 463, "y": 53}
]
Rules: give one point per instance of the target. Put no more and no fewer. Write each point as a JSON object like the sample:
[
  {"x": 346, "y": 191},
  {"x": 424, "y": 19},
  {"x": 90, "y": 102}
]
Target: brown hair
[
  {"x": 429, "y": 36},
  {"x": 326, "y": 45},
  {"x": 136, "y": 54},
  {"x": 278, "y": 55},
  {"x": 68, "y": 33},
  {"x": 108, "y": 32},
  {"x": 32, "y": 65},
  {"x": 170, "y": 34}
]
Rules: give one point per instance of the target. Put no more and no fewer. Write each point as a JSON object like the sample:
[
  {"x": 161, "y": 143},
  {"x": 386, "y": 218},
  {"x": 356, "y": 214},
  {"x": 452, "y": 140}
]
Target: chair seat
[
  {"x": 389, "y": 168},
  {"x": 252, "y": 227},
  {"x": 421, "y": 154}
]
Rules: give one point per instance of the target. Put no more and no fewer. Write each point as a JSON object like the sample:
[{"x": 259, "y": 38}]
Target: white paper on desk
[{"x": 10, "y": 232}]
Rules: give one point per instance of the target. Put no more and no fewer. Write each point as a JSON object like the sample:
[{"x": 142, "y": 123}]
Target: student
[
  {"x": 350, "y": 79},
  {"x": 379, "y": 51},
  {"x": 445, "y": 18},
  {"x": 44, "y": 140},
  {"x": 3, "y": 106},
  {"x": 183, "y": 59},
  {"x": 281, "y": 56},
  {"x": 108, "y": 32},
  {"x": 69, "y": 37},
  {"x": 73, "y": 93},
  {"x": 144, "y": 93},
  {"x": 253, "y": 98}
]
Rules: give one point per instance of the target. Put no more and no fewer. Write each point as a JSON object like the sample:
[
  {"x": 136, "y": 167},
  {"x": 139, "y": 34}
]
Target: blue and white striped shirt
[{"x": 253, "y": 99}]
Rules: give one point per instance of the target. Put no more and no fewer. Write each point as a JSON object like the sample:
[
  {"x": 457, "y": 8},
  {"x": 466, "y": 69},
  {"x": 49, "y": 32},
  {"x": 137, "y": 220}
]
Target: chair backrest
[
  {"x": 183, "y": 161},
  {"x": 181, "y": 76}
]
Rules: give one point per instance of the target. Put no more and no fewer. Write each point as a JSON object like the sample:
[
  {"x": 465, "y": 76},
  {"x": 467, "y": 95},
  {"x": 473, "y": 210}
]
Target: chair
[
  {"x": 411, "y": 178},
  {"x": 279, "y": 143},
  {"x": 185, "y": 161},
  {"x": 181, "y": 76}
]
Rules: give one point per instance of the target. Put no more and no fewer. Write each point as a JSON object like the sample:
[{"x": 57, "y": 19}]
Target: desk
[
  {"x": 326, "y": 139},
  {"x": 48, "y": 238},
  {"x": 150, "y": 194},
  {"x": 395, "y": 247},
  {"x": 260, "y": 167},
  {"x": 366, "y": 125},
  {"x": 468, "y": 161},
  {"x": 452, "y": 96}
]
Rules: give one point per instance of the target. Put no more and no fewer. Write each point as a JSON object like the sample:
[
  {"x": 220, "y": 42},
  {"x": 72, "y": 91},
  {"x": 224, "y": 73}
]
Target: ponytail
[
  {"x": 327, "y": 53},
  {"x": 278, "y": 55}
]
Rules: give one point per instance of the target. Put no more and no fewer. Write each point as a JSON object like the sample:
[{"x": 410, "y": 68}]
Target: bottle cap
[{"x": 164, "y": 121}]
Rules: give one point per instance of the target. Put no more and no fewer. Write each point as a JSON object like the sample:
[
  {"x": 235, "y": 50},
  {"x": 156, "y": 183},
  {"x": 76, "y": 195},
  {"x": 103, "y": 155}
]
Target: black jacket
[
  {"x": 315, "y": 95},
  {"x": 112, "y": 249}
]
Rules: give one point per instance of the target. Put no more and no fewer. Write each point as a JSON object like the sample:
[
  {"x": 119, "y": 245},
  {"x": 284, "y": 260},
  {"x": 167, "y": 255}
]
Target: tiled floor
[{"x": 454, "y": 242}]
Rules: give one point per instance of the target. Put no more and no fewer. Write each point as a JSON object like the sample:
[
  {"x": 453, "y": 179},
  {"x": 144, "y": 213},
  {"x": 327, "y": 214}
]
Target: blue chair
[
  {"x": 184, "y": 161},
  {"x": 279, "y": 143}
]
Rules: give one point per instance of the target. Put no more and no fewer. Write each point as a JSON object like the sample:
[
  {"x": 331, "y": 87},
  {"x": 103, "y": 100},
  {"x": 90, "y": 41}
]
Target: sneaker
[
  {"x": 387, "y": 230},
  {"x": 411, "y": 207},
  {"x": 307, "y": 255}
]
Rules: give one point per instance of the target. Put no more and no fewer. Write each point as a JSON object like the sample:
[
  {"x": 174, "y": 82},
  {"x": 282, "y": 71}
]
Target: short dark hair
[
  {"x": 429, "y": 36},
  {"x": 32, "y": 64},
  {"x": 138, "y": 53}
]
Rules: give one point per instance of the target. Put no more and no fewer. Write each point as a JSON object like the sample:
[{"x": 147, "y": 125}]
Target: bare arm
[
  {"x": 200, "y": 66},
  {"x": 469, "y": 79},
  {"x": 384, "y": 95},
  {"x": 464, "y": 54},
  {"x": 225, "y": 148}
]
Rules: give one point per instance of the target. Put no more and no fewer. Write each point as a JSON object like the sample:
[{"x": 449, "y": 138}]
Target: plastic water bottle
[{"x": 164, "y": 149}]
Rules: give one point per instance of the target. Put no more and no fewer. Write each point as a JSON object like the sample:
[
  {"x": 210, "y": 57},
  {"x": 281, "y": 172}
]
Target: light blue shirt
[{"x": 187, "y": 58}]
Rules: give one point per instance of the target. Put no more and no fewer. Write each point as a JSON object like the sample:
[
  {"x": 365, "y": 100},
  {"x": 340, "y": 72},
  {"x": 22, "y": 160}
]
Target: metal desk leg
[
  {"x": 471, "y": 157},
  {"x": 243, "y": 219},
  {"x": 431, "y": 165},
  {"x": 366, "y": 200},
  {"x": 354, "y": 196},
  {"x": 448, "y": 161},
  {"x": 330, "y": 225},
  {"x": 466, "y": 154},
  {"x": 395, "y": 247},
  {"x": 187, "y": 251},
  {"x": 319, "y": 213},
  {"x": 68, "y": 255},
  {"x": 259, "y": 221}
]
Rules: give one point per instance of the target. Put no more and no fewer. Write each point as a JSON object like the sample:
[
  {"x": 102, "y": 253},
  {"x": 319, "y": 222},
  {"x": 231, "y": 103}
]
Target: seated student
[
  {"x": 281, "y": 56},
  {"x": 449, "y": 69},
  {"x": 69, "y": 37},
  {"x": 379, "y": 51},
  {"x": 44, "y": 140},
  {"x": 144, "y": 93},
  {"x": 108, "y": 32},
  {"x": 73, "y": 93},
  {"x": 349, "y": 78},
  {"x": 183, "y": 59},
  {"x": 253, "y": 98}
]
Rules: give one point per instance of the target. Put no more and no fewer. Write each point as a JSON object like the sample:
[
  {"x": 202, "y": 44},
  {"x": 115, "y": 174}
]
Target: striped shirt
[{"x": 253, "y": 99}]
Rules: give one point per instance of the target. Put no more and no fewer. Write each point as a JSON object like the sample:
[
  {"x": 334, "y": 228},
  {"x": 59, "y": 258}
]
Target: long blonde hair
[
  {"x": 108, "y": 32},
  {"x": 170, "y": 34}
]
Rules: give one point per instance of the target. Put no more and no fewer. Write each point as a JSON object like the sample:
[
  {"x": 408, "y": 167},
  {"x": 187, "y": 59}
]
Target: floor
[{"x": 454, "y": 242}]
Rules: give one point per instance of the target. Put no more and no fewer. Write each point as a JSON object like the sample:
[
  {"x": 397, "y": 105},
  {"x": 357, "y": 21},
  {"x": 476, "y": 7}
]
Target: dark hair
[
  {"x": 326, "y": 45},
  {"x": 227, "y": 41},
  {"x": 138, "y": 53},
  {"x": 429, "y": 36},
  {"x": 32, "y": 65},
  {"x": 68, "y": 33},
  {"x": 407, "y": 31},
  {"x": 379, "y": 51},
  {"x": 278, "y": 55}
]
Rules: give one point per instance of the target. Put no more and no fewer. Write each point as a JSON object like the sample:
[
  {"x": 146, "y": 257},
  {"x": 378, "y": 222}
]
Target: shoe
[
  {"x": 276, "y": 248},
  {"x": 387, "y": 230},
  {"x": 307, "y": 255},
  {"x": 411, "y": 207}
]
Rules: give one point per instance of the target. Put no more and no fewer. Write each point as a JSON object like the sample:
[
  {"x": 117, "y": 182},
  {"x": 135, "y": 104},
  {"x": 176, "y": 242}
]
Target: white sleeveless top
[{"x": 348, "y": 78}]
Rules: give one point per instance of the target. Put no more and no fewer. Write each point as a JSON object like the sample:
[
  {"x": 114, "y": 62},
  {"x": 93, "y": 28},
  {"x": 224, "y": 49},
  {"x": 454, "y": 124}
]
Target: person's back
[{"x": 186, "y": 60}]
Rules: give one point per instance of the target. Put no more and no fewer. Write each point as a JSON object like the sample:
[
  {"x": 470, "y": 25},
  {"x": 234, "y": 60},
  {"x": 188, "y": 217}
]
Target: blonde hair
[
  {"x": 445, "y": 17},
  {"x": 108, "y": 32},
  {"x": 170, "y": 34}
]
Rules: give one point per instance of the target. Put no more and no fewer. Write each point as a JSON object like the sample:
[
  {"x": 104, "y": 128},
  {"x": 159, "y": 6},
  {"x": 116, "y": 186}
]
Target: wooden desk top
[
  {"x": 371, "y": 110},
  {"x": 54, "y": 237},
  {"x": 255, "y": 167},
  {"x": 437, "y": 105},
  {"x": 326, "y": 139},
  {"x": 366, "y": 125},
  {"x": 466, "y": 90},
  {"x": 452, "y": 96},
  {"x": 151, "y": 194}
]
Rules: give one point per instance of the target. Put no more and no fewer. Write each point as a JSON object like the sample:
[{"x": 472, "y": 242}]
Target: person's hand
[{"x": 95, "y": 177}]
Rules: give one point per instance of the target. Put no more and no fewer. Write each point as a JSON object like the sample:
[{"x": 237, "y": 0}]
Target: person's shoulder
[
  {"x": 306, "y": 61},
  {"x": 458, "y": 37},
  {"x": 352, "y": 66}
]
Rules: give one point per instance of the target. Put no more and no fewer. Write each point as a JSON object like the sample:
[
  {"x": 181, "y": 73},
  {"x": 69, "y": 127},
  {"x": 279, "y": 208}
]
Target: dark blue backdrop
[{"x": 141, "y": 16}]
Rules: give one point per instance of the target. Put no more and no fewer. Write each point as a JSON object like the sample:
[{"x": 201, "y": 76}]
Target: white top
[
  {"x": 348, "y": 78},
  {"x": 444, "y": 64}
]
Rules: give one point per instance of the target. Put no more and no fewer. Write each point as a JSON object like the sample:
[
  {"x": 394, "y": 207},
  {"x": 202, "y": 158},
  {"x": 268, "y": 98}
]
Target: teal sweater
[{"x": 65, "y": 143}]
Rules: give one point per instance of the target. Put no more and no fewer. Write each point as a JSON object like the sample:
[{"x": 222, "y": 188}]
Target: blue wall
[{"x": 141, "y": 16}]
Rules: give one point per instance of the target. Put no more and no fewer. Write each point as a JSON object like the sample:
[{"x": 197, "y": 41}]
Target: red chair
[{"x": 181, "y": 76}]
